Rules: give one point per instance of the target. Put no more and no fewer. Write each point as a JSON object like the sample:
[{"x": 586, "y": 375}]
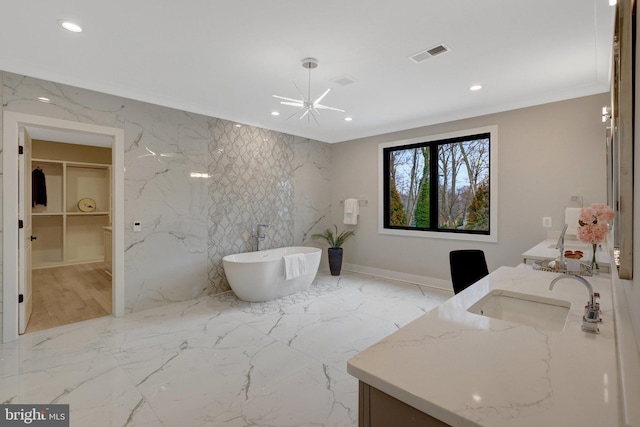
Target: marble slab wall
[
  {"x": 196, "y": 184},
  {"x": 167, "y": 260}
]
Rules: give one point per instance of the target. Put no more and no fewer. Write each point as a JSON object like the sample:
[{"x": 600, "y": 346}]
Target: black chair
[{"x": 467, "y": 267}]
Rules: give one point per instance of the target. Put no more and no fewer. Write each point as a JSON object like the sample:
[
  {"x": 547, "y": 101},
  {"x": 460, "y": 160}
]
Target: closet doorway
[
  {"x": 71, "y": 229},
  {"x": 71, "y": 219}
]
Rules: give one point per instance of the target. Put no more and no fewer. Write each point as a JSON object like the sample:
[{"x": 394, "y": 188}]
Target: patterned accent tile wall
[{"x": 253, "y": 182}]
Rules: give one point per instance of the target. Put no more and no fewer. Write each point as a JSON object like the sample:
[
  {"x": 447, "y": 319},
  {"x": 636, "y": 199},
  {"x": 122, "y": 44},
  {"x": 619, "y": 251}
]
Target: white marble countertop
[
  {"x": 471, "y": 370},
  {"x": 547, "y": 249}
]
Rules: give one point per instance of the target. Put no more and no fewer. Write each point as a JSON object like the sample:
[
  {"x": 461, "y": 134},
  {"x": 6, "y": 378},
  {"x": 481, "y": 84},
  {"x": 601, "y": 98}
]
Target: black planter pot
[{"x": 335, "y": 261}]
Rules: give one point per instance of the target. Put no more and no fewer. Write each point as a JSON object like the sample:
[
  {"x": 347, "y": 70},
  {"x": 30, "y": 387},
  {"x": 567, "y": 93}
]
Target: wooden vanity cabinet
[{"x": 378, "y": 409}]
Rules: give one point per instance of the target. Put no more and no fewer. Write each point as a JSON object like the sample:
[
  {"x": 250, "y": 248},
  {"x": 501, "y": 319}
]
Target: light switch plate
[
  {"x": 137, "y": 226},
  {"x": 546, "y": 221}
]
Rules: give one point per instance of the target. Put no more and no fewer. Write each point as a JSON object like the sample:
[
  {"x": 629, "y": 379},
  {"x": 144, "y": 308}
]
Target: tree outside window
[{"x": 441, "y": 185}]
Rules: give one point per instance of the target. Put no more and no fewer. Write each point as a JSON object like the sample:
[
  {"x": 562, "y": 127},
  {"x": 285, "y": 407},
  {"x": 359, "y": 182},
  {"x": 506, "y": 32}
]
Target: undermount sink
[{"x": 531, "y": 310}]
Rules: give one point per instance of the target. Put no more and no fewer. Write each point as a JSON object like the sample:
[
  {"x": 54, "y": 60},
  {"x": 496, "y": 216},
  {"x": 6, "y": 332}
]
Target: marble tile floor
[{"x": 215, "y": 360}]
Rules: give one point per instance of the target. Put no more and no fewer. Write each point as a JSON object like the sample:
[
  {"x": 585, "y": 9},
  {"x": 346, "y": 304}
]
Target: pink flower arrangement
[{"x": 593, "y": 223}]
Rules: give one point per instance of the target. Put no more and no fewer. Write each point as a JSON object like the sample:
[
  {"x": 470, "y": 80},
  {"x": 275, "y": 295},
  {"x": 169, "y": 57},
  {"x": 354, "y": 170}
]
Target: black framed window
[{"x": 439, "y": 186}]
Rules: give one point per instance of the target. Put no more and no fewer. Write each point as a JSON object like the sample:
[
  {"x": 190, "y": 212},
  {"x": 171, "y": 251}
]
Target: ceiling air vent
[
  {"x": 344, "y": 80},
  {"x": 423, "y": 55},
  {"x": 437, "y": 50}
]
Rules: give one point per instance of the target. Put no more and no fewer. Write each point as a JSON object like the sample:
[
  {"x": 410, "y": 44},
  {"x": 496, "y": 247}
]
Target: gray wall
[
  {"x": 189, "y": 224},
  {"x": 546, "y": 154}
]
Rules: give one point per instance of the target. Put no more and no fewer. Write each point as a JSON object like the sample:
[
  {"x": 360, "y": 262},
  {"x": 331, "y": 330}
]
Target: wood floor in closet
[{"x": 69, "y": 294}]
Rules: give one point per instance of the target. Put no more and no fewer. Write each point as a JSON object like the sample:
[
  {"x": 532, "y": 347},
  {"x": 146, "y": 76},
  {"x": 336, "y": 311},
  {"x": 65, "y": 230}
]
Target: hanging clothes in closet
[{"x": 38, "y": 187}]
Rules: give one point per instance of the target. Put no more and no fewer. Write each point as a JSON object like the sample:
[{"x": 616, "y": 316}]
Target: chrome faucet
[
  {"x": 560, "y": 247},
  {"x": 258, "y": 233},
  {"x": 591, "y": 316}
]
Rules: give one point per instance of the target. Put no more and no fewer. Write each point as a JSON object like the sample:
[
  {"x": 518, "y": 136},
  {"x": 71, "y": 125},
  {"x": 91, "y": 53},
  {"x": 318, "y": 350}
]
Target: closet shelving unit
[{"x": 65, "y": 235}]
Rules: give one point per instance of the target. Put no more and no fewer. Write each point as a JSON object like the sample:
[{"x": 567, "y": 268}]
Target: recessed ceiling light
[
  {"x": 43, "y": 99},
  {"x": 348, "y": 119},
  {"x": 612, "y": 2},
  {"x": 70, "y": 26},
  {"x": 275, "y": 113},
  {"x": 475, "y": 87}
]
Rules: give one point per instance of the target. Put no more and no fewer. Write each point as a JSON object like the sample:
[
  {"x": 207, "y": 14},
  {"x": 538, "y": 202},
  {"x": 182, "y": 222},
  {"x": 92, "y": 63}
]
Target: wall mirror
[{"x": 620, "y": 139}]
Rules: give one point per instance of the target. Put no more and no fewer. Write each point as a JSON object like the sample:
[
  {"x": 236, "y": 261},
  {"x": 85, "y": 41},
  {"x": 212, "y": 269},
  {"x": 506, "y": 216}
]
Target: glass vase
[{"x": 595, "y": 268}]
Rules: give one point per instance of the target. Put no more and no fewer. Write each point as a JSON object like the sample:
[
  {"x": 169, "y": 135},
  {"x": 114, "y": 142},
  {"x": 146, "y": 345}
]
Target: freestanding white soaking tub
[{"x": 260, "y": 276}]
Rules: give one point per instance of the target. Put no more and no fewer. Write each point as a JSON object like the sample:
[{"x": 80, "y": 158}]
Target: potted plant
[{"x": 335, "y": 241}]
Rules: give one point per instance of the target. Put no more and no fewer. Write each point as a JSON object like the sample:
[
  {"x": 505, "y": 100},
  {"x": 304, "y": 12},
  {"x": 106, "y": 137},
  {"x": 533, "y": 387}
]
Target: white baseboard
[{"x": 429, "y": 282}]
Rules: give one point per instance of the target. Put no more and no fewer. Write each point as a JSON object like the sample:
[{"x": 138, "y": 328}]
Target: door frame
[
  {"x": 25, "y": 234},
  {"x": 11, "y": 124}
]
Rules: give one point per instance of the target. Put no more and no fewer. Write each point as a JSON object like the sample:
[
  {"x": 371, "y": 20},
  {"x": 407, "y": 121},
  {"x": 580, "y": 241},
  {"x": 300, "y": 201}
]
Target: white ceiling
[{"x": 226, "y": 58}]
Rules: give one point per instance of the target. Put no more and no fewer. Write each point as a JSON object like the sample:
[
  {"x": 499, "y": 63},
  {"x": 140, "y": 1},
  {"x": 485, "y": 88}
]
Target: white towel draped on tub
[
  {"x": 294, "y": 266},
  {"x": 351, "y": 211}
]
